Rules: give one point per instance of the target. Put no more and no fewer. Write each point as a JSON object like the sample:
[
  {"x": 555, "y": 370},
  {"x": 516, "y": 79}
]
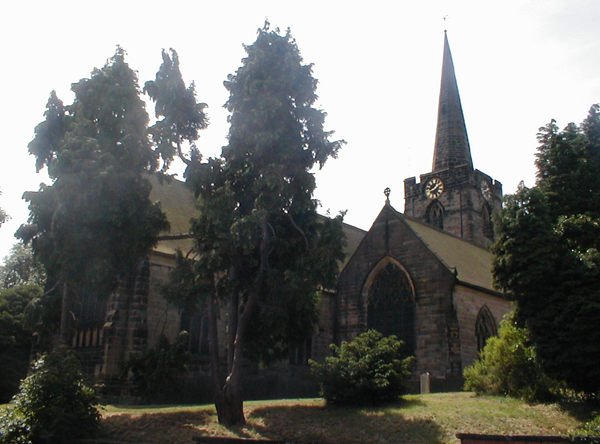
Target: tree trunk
[
  {"x": 228, "y": 402},
  {"x": 228, "y": 398},
  {"x": 66, "y": 334},
  {"x": 233, "y": 326},
  {"x": 230, "y": 406}
]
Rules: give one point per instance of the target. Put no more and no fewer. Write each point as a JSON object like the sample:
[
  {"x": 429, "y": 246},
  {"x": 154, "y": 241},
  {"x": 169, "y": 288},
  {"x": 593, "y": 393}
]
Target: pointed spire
[{"x": 451, "y": 140}]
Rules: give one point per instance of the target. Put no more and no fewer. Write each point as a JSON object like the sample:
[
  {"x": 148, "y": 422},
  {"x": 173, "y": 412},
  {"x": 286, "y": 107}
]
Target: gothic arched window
[
  {"x": 391, "y": 306},
  {"x": 485, "y": 327},
  {"x": 435, "y": 215}
]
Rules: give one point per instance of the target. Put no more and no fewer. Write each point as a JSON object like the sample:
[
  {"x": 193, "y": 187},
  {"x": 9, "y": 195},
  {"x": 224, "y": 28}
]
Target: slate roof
[
  {"x": 177, "y": 201},
  {"x": 354, "y": 236},
  {"x": 473, "y": 264}
]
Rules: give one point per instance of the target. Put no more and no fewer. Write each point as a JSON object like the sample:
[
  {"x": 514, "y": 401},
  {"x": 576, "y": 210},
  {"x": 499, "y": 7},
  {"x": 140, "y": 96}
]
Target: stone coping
[{"x": 475, "y": 438}]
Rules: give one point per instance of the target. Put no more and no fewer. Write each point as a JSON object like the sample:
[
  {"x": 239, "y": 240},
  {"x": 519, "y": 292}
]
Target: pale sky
[{"x": 518, "y": 63}]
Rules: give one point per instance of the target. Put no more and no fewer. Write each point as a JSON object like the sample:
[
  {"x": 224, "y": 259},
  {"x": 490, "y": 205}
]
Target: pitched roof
[
  {"x": 354, "y": 236},
  {"x": 177, "y": 201},
  {"x": 451, "y": 139},
  {"x": 472, "y": 264}
]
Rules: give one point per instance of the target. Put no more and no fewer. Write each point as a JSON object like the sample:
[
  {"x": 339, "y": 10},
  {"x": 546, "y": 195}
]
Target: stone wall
[
  {"x": 468, "y": 302},
  {"x": 463, "y": 202},
  {"x": 162, "y": 318},
  {"x": 125, "y": 329},
  {"x": 324, "y": 333},
  {"x": 390, "y": 238}
]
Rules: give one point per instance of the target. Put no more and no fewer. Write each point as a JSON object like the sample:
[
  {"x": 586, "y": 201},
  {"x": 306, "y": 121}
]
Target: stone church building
[{"x": 423, "y": 274}]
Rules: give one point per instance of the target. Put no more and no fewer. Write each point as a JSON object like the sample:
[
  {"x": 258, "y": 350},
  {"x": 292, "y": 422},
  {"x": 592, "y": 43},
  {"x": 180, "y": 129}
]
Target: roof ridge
[{"x": 431, "y": 227}]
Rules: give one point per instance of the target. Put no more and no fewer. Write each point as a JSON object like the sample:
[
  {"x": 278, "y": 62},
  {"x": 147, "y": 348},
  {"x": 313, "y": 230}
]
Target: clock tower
[{"x": 453, "y": 197}]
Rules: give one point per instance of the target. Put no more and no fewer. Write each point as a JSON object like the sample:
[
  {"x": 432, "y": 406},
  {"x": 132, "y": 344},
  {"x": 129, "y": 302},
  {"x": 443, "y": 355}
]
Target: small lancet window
[
  {"x": 485, "y": 327},
  {"x": 435, "y": 215},
  {"x": 488, "y": 226}
]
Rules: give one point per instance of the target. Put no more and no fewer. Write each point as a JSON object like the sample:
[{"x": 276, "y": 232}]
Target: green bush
[
  {"x": 54, "y": 405},
  {"x": 367, "y": 369},
  {"x": 13, "y": 429},
  {"x": 15, "y": 336},
  {"x": 508, "y": 366},
  {"x": 157, "y": 374},
  {"x": 589, "y": 432}
]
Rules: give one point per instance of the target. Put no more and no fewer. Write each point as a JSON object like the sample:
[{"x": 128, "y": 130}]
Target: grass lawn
[{"x": 434, "y": 418}]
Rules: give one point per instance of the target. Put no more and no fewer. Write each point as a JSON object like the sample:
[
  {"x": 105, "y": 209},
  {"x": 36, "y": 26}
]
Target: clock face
[
  {"x": 486, "y": 189},
  {"x": 434, "y": 188}
]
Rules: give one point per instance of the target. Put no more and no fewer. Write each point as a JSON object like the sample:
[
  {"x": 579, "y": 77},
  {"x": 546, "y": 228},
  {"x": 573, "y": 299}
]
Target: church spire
[{"x": 451, "y": 140}]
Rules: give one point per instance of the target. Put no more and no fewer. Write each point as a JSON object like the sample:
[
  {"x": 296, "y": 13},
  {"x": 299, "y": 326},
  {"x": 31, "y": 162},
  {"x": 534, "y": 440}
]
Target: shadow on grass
[
  {"x": 580, "y": 410},
  {"x": 295, "y": 423},
  {"x": 333, "y": 424},
  {"x": 154, "y": 428}
]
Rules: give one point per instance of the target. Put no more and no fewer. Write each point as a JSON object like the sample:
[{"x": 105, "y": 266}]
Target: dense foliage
[
  {"x": 55, "y": 405},
  {"x": 261, "y": 248},
  {"x": 548, "y": 253},
  {"x": 589, "y": 432},
  {"x": 20, "y": 267},
  {"x": 16, "y": 331},
  {"x": 508, "y": 366},
  {"x": 94, "y": 224},
  {"x": 157, "y": 374},
  {"x": 22, "y": 318},
  {"x": 368, "y": 369}
]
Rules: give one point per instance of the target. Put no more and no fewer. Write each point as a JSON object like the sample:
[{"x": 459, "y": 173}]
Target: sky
[{"x": 519, "y": 63}]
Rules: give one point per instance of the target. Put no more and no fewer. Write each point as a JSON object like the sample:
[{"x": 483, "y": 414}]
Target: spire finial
[
  {"x": 387, "y": 192},
  {"x": 445, "y": 18}
]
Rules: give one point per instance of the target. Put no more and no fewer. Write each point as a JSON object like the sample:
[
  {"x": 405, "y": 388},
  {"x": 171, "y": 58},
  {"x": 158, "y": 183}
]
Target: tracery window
[
  {"x": 435, "y": 215},
  {"x": 391, "y": 306},
  {"x": 485, "y": 327}
]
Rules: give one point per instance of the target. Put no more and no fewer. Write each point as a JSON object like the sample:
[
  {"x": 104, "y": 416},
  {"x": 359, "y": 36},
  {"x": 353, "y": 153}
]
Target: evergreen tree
[
  {"x": 94, "y": 223},
  {"x": 548, "y": 253},
  {"x": 262, "y": 249}
]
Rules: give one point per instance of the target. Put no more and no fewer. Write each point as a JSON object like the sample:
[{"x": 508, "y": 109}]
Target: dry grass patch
[{"x": 430, "y": 419}]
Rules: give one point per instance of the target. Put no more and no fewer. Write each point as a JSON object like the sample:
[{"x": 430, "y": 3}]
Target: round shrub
[
  {"x": 54, "y": 404},
  {"x": 368, "y": 369},
  {"x": 508, "y": 366}
]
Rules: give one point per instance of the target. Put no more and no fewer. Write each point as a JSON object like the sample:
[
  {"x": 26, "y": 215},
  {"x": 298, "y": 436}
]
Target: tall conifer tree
[
  {"x": 548, "y": 253},
  {"x": 262, "y": 249},
  {"x": 94, "y": 223}
]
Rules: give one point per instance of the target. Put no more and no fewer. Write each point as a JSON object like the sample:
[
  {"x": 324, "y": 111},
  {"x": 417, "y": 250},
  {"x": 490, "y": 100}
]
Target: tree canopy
[
  {"x": 262, "y": 249},
  {"x": 16, "y": 328},
  {"x": 94, "y": 223},
  {"x": 21, "y": 267},
  {"x": 548, "y": 252},
  {"x": 21, "y": 282},
  {"x": 3, "y": 215}
]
